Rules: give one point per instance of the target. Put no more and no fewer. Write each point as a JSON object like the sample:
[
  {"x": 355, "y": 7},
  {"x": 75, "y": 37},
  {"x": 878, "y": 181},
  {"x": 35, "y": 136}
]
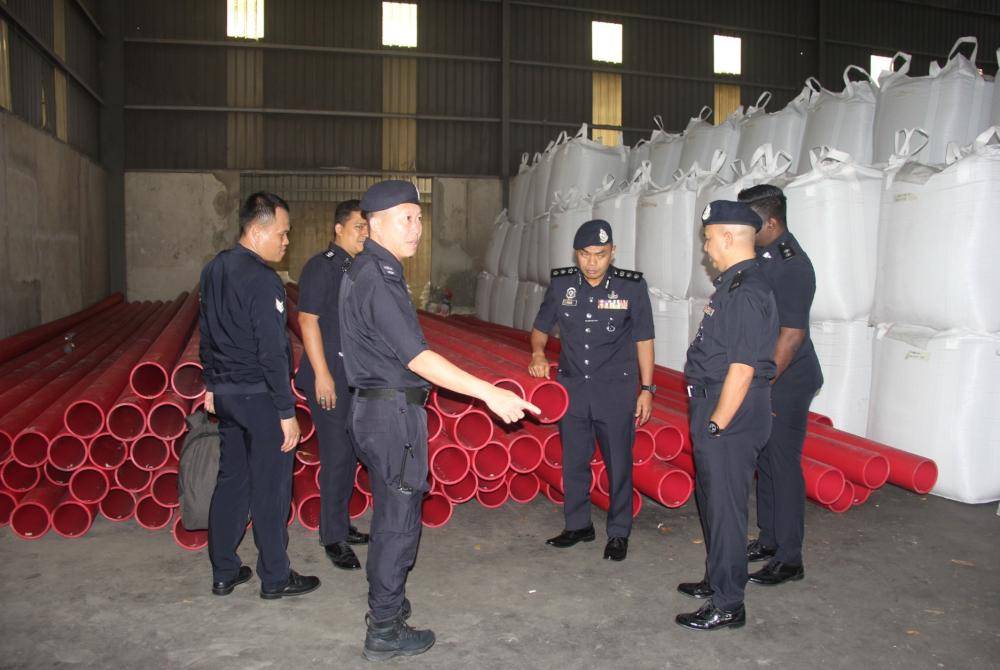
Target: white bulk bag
[
  {"x": 494, "y": 250},
  {"x": 672, "y": 325},
  {"x": 521, "y": 302},
  {"x": 781, "y": 129},
  {"x": 664, "y": 154},
  {"x": 570, "y": 212},
  {"x": 639, "y": 154},
  {"x": 765, "y": 166},
  {"x": 511, "y": 251},
  {"x": 935, "y": 394},
  {"x": 844, "y": 349},
  {"x": 938, "y": 240},
  {"x": 833, "y": 211},
  {"x": 528, "y": 211},
  {"x": 535, "y": 299},
  {"x": 524, "y": 257},
  {"x": 995, "y": 116},
  {"x": 541, "y": 192},
  {"x": 519, "y": 191},
  {"x": 618, "y": 208},
  {"x": 484, "y": 289},
  {"x": 502, "y": 301},
  {"x": 541, "y": 250},
  {"x": 702, "y": 139},
  {"x": 951, "y": 103},
  {"x": 841, "y": 121},
  {"x": 583, "y": 164}
]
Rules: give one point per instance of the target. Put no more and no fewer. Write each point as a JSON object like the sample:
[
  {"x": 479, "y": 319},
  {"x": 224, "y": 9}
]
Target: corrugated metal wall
[{"x": 324, "y": 68}]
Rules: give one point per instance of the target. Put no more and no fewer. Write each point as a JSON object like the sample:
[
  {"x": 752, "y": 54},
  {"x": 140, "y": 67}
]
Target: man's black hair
[
  {"x": 344, "y": 211},
  {"x": 767, "y": 200},
  {"x": 260, "y": 208}
]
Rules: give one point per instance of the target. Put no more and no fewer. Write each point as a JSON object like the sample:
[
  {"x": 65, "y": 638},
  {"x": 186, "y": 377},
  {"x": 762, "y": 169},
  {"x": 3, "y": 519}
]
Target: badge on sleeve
[{"x": 279, "y": 305}]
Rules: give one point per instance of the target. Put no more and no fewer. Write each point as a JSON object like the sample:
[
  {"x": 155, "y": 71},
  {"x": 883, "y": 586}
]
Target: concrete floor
[{"x": 902, "y": 582}]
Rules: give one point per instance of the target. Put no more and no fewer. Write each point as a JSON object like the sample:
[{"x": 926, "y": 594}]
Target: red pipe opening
[
  {"x": 552, "y": 399},
  {"x": 675, "y": 488},
  {"x": 490, "y": 462},
  {"x": 164, "y": 487},
  {"x": 118, "y": 505},
  {"x": 126, "y": 421},
  {"x": 19, "y": 478},
  {"x": 132, "y": 478},
  {"x": 361, "y": 480},
  {"x": 72, "y": 518},
  {"x": 308, "y": 451},
  {"x": 495, "y": 498},
  {"x": 553, "y": 494},
  {"x": 30, "y": 449},
  {"x": 489, "y": 484},
  {"x": 449, "y": 463},
  {"x": 106, "y": 451},
  {"x": 192, "y": 540},
  {"x": 148, "y": 380},
  {"x": 845, "y": 501},
  {"x": 67, "y": 452},
  {"x": 643, "y": 447},
  {"x": 525, "y": 452},
  {"x": 511, "y": 385},
  {"x": 306, "y": 426},
  {"x": 474, "y": 429},
  {"x": 552, "y": 450},
  {"x": 924, "y": 476},
  {"x": 32, "y": 517},
  {"x": 601, "y": 481},
  {"x": 434, "y": 424},
  {"x": 523, "y": 487},
  {"x": 308, "y": 511},
  {"x": 436, "y": 510},
  {"x": 166, "y": 420},
  {"x": 55, "y": 475},
  {"x": 176, "y": 449},
  {"x": 861, "y": 494},
  {"x": 5, "y": 441},
  {"x": 150, "y": 452},
  {"x": 358, "y": 504},
  {"x": 450, "y": 404},
  {"x": 462, "y": 491},
  {"x": 668, "y": 441},
  {"x": 187, "y": 380},
  {"x": 823, "y": 483},
  {"x": 151, "y": 515},
  {"x": 89, "y": 485},
  {"x": 8, "y": 501},
  {"x": 84, "y": 418}
]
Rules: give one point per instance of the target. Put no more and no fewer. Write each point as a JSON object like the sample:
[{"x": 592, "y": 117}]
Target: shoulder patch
[
  {"x": 631, "y": 275},
  {"x": 737, "y": 281},
  {"x": 786, "y": 250},
  {"x": 389, "y": 272},
  {"x": 559, "y": 272},
  {"x": 329, "y": 253}
]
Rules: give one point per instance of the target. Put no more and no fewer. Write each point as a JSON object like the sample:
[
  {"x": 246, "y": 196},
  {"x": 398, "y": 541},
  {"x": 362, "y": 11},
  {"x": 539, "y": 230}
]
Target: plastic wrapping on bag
[
  {"x": 541, "y": 265},
  {"x": 494, "y": 249},
  {"x": 511, "y": 251},
  {"x": 781, "y": 129},
  {"x": 702, "y": 139},
  {"x": 841, "y": 121},
  {"x": 844, "y": 349},
  {"x": 583, "y": 164},
  {"x": 519, "y": 190}
]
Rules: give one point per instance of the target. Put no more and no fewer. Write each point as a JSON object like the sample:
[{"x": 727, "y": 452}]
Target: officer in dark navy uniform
[
  {"x": 389, "y": 368},
  {"x": 322, "y": 380},
  {"x": 729, "y": 367},
  {"x": 606, "y": 328},
  {"x": 247, "y": 368},
  {"x": 781, "y": 491}
]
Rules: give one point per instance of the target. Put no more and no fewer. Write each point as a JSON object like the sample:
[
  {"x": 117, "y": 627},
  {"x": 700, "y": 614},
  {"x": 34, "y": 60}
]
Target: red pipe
[
  {"x": 666, "y": 484},
  {"x": 449, "y": 404},
  {"x": 308, "y": 451},
  {"x": 306, "y": 426},
  {"x": 105, "y": 451},
  {"x": 845, "y": 501},
  {"x": 128, "y": 418},
  {"x": 524, "y": 487},
  {"x": 176, "y": 448},
  {"x": 435, "y": 510},
  {"x": 67, "y": 452},
  {"x": 149, "y": 452},
  {"x": 133, "y": 478},
  {"x": 29, "y": 339},
  {"x": 859, "y": 465},
  {"x": 150, "y": 514},
  {"x": 118, "y": 505},
  {"x": 525, "y": 451},
  {"x": 19, "y": 478},
  {"x": 644, "y": 445},
  {"x": 824, "y": 484},
  {"x": 150, "y": 377},
  {"x": 462, "y": 491},
  {"x": 434, "y": 423},
  {"x": 167, "y": 416},
  {"x": 186, "y": 380},
  {"x": 89, "y": 485},
  {"x": 361, "y": 480},
  {"x": 488, "y": 484},
  {"x": 306, "y": 500},
  {"x": 358, "y": 504},
  {"x": 53, "y": 474},
  {"x": 8, "y": 501},
  {"x": 553, "y": 494},
  {"x": 599, "y": 473},
  {"x": 604, "y": 502},
  {"x": 72, "y": 518},
  {"x": 192, "y": 540},
  {"x": 495, "y": 498},
  {"x": 668, "y": 440},
  {"x": 164, "y": 487},
  {"x": 491, "y": 462},
  {"x": 861, "y": 494},
  {"x": 32, "y": 517},
  {"x": 449, "y": 463},
  {"x": 472, "y": 430}
]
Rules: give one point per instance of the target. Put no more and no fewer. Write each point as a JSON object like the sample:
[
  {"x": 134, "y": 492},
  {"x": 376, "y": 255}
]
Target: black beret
[
  {"x": 387, "y": 194},
  {"x": 593, "y": 233},
  {"x": 728, "y": 211}
]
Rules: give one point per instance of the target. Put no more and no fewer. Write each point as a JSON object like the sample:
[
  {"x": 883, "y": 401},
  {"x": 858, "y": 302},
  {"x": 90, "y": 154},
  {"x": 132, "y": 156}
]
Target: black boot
[{"x": 388, "y": 639}]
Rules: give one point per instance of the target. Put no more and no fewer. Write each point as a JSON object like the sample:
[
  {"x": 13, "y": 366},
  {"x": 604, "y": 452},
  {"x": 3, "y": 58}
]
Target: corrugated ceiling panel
[
  {"x": 450, "y": 88},
  {"x": 304, "y": 80},
  {"x": 459, "y": 27},
  {"x": 355, "y": 24}
]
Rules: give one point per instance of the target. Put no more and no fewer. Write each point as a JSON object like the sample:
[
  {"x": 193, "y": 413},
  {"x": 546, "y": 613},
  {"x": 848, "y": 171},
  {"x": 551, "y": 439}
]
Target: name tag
[
  {"x": 612, "y": 304},
  {"x": 569, "y": 302}
]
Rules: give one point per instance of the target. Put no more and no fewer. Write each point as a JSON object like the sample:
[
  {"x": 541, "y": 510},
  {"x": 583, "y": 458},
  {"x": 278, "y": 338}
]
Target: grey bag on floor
[{"x": 199, "y": 470}]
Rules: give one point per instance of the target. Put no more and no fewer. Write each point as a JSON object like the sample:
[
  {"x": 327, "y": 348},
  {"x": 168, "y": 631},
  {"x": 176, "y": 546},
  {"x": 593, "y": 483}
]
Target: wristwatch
[
  {"x": 649, "y": 387},
  {"x": 713, "y": 429}
]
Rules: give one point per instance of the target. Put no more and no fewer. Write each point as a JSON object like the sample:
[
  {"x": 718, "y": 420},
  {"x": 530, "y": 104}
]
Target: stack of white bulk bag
[
  {"x": 583, "y": 164},
  {"x": 938, "y": 240},
  {"x": 524, "y": 289},
  {"x": 484, "y": 289},
  {"x": 664, "y": 154},
  {"x": 494, "y": 249},
  {"x": 702, "y": 139},
  {"x": 540, "y": 178},
  {"x": 934, "y": 393},
  {"x": 523, "y": 257},
  {"x": 618, "y": 207},
  {"x": 782, "y": 129},
  {"x": 528, "y": 210},
  {"x": 541, "y": 249},
  {"x": 995, "y": 116},
  {"x": 519, "y": 186},
  {"x": 570, "y": 212},
  {"x": 844, "y": 349},
  {"x": 671, "y": 323},
  {"x": 503, "y": 300},
  {"x": 534, "y": 304},
  {"x": 639, "y": 154},
  {"x": 841, "y": 121},
  {"x": 953, "y": 104}
]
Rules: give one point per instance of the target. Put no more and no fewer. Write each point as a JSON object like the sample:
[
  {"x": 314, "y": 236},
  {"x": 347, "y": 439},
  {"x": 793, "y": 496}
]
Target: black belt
[
  {"x": 413, "y": 395},
  {"x": 709, "y": 390}
]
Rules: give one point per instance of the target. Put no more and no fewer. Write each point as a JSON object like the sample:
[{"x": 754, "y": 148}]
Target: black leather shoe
[
  {"x": 568, "y": 538},
  {"x": 355, "y": 536},
  {"x": 698, "y": 590},
  {"x": 710, "y": 617},
  {"x": 297, "y": 585},
  {"x": 342, "y": 556},
  {"x": 616, "y": 549},
  {"x": 243, "y": 576},
  {"x": 776, "y": 572},
  {"x": 758, "y": 552}
]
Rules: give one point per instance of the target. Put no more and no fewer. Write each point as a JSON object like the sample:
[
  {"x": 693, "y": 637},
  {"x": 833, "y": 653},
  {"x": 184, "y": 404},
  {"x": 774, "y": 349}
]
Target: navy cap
[
  {"x": 728, "y": 211},
  {"x": 389, "y": 193},
  {"x": 593, "y": 233}
]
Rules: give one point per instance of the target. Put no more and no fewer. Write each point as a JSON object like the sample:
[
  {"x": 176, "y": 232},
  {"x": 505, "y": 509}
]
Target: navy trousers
[{"x": 338, "y": 461}]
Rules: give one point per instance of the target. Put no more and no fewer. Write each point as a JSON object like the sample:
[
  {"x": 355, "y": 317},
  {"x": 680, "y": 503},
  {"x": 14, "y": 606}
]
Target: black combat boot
[{"x": 388, "y": 639}]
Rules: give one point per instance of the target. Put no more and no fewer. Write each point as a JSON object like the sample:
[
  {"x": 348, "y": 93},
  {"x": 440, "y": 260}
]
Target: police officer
[
  {"x": 247, "y": 369},
  {"x": 729, "y": 367},
  {"x": 389, "y": 366},
  {"x": 781, "y": 491},
  {"x": 321, "y": 379},
  {"x": 606, "y": 325}
]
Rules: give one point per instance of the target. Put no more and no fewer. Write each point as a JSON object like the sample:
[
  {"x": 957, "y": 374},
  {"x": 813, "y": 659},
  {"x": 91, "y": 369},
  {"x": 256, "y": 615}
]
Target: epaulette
[
  {"x": 388, "y": 271},
  {"x": 786, "y": 250},
  {"x": 631, "y": 275},
  {"x": 737, "y": 281},
  {"x": 329, "y": 253},
  {"x": 559, "y": 272}
]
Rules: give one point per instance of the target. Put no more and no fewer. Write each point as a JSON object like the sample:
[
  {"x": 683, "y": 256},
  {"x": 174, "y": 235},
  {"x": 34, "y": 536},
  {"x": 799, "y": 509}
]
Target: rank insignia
[{"x": 612, "y": 304}]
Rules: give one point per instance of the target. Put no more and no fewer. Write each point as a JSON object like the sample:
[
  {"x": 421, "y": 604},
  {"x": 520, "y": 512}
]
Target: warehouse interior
[{"x": 132, "y": 130}]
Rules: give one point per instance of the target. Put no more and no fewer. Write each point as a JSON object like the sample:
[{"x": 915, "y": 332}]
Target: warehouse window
[
  {"x": 399, "y": 24},
  {"x": 880, "y": 64},
  {"x": 606, "y": 42},
  {"x": 245, "y": 18},
  {"x": 728, "y": 58}
]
